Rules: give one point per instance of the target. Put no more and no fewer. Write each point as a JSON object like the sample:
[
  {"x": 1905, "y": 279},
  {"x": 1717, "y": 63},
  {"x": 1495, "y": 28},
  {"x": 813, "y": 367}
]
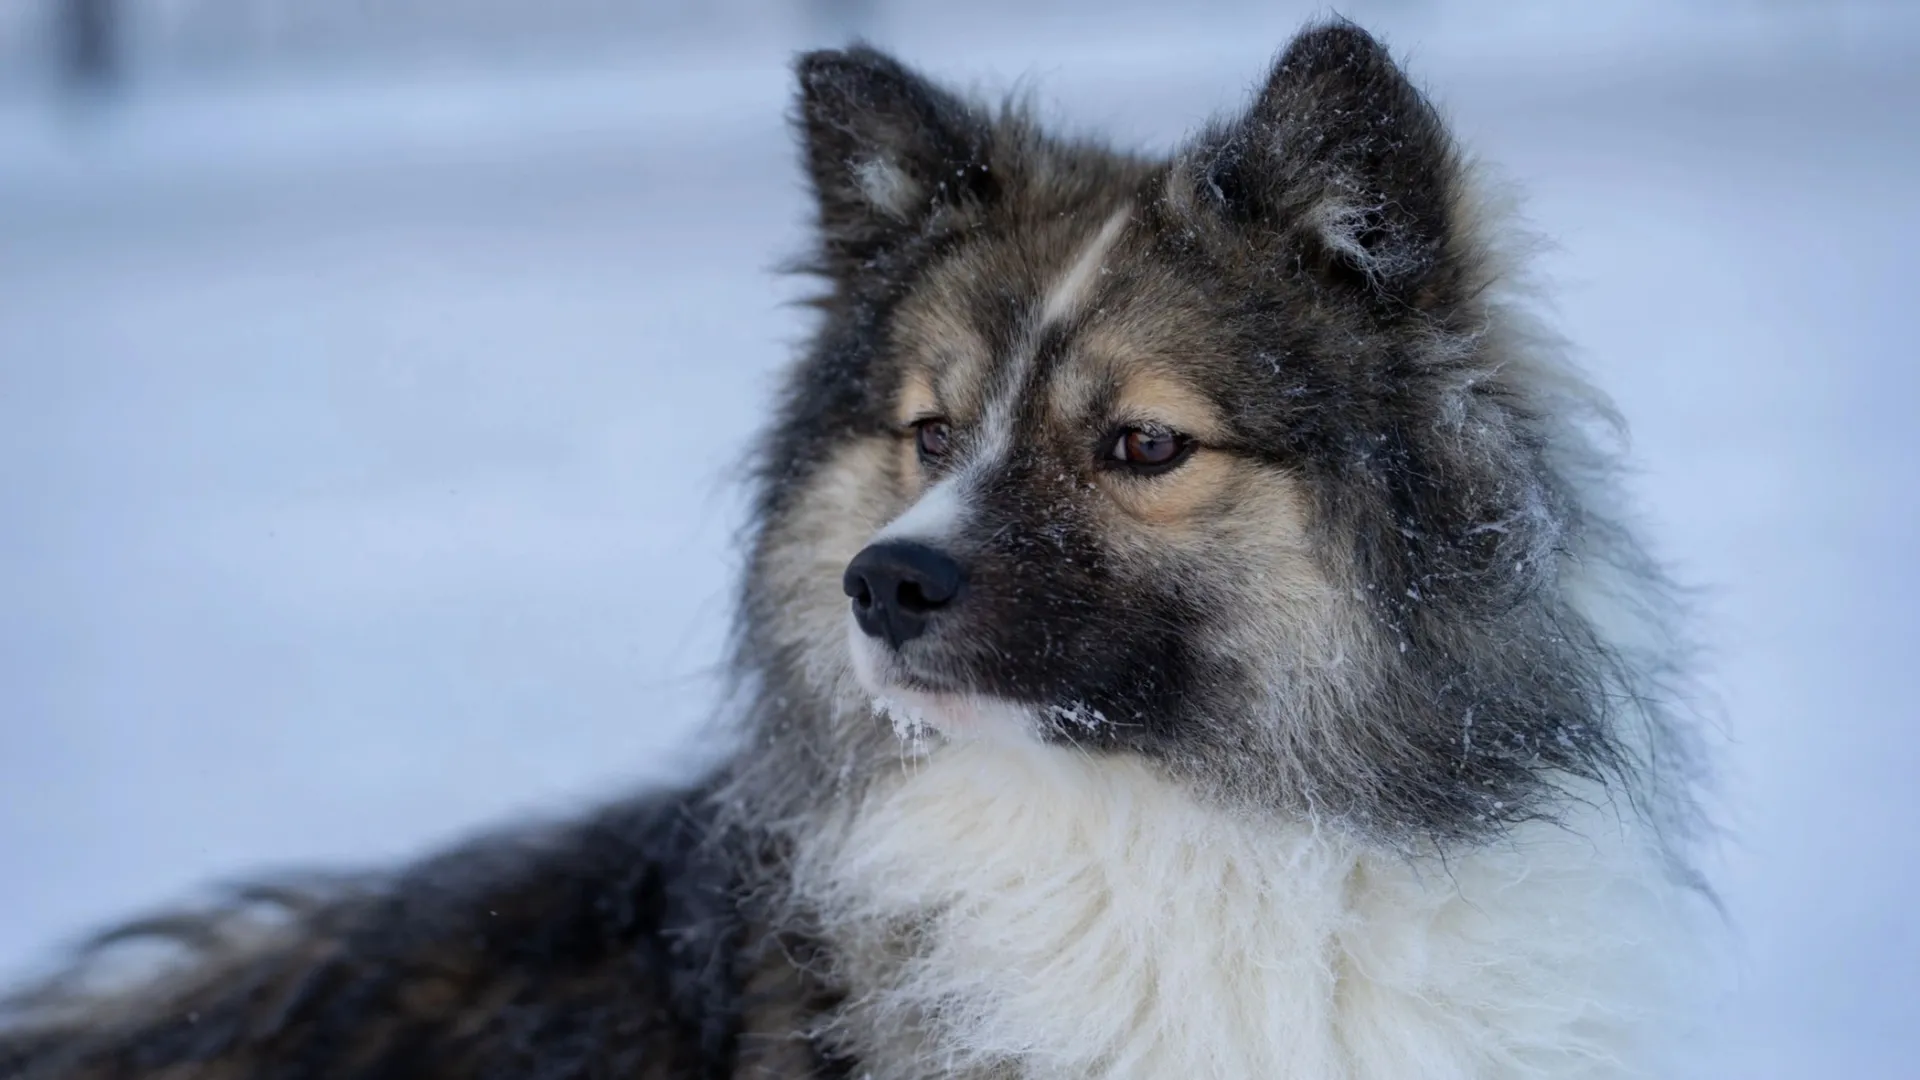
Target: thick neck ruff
[{"x": 1004, "y": 909}]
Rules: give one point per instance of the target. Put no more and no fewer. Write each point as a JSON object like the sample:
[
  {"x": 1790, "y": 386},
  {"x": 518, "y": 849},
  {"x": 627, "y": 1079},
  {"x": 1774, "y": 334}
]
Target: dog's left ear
[
  {"x": 886, "y": 151},
  {"x": 1342, "y": 168}
]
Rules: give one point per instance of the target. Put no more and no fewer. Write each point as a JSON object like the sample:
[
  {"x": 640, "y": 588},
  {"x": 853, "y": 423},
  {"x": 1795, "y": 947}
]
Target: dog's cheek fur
[{"x": 1270, "y": 630}]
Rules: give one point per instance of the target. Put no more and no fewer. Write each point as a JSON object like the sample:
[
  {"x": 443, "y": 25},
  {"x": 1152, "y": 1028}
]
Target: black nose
[{"x": 898, "y": 585}]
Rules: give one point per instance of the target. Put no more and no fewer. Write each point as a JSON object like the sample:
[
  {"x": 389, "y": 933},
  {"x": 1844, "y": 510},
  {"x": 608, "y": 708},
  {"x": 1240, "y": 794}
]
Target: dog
[{"x": 1193, "y": 628}]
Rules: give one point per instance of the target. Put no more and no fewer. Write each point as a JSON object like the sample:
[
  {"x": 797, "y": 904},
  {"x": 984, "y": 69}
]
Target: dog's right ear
[{"x": 886, "y": 151}]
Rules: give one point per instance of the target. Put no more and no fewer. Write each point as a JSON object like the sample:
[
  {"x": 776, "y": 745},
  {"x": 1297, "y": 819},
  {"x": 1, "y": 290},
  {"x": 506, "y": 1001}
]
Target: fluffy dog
[{"x": 1191, "y": 631}]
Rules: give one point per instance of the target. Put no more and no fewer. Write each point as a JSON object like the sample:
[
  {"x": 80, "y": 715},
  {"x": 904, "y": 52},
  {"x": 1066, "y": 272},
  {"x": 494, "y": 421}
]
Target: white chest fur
[{"x": 1081, "y": 917}]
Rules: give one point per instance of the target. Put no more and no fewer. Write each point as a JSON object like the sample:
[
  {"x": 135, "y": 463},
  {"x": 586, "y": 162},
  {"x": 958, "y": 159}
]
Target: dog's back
[{"x": 605, "y": 948}]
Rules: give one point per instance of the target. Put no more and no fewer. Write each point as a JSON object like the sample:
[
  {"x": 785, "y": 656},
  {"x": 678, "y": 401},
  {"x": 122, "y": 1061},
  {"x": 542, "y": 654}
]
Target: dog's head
[{"x": 1230, "y": 460}]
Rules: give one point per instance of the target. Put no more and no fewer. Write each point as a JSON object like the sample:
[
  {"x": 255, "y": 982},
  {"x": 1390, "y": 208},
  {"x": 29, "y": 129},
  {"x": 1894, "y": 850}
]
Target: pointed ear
[
  {"x": 886, "y": 150},
  {"x": 1343, "y": 168}
]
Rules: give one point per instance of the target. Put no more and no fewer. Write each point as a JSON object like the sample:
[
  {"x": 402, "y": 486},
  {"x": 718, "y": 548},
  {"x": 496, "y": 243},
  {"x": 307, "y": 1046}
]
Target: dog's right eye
[
  {"x": 1148, "y": 451},
  {"x": 934, "y": 437}
]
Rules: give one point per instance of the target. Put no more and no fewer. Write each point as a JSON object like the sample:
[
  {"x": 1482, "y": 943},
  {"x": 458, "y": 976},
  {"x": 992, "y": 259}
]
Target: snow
[{"x": 365, "y": 439}]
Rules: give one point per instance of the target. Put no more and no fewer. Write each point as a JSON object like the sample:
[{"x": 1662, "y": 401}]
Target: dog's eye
[
  {"x": 1149, "y": 450},
  {"x": 934, "y": 437}
]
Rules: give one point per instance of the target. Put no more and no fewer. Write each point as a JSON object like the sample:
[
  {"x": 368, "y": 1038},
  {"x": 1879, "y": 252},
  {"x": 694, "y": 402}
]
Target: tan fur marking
[
  {"x": 917, "y": 398},
  {"x": 939, "y": 346},
  {"x": 1202, "y": 488},
  {"x": 917, "y": 401},
  {"x": 1150, "y": 368},
  {"x": 1162, "y": 398}
]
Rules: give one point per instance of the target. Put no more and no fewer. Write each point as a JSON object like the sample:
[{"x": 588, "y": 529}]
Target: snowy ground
[{"x": 364, "y": 443}]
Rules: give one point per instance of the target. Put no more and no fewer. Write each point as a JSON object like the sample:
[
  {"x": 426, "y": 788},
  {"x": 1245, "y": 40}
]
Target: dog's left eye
[
  {"x": 933, "y": 437},
  {"x": 1149, "y": 450}
]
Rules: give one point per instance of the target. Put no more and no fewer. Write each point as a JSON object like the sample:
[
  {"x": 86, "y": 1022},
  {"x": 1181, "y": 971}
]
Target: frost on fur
[
  {"x": 1343, "y": 160},
  {"x": 887, "y": 187},
  {"x": 884, "y": 149}
]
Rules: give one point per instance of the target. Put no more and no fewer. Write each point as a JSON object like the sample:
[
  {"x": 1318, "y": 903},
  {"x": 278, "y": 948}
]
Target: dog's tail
[{"x": 188, "y": 990}]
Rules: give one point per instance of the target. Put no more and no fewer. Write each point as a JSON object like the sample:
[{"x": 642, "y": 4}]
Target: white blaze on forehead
[
  {"x": 1071, "y": 289},
  {"x": 1063, "y": 299},
  {"x": 934, "y": 518}
]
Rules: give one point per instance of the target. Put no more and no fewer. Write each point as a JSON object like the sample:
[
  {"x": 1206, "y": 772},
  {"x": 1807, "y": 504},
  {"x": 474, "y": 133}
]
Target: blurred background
[{"x": 372, "y": 375}]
